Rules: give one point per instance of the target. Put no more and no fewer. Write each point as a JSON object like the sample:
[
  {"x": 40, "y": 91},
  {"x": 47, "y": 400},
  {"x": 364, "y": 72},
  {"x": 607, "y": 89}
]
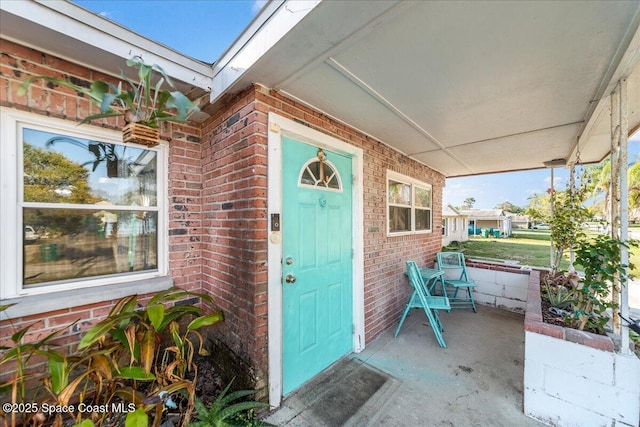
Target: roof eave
[{"x": 71, "y": 32}]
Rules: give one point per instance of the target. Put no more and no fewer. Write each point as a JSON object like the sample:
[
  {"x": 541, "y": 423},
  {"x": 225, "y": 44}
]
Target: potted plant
[{"x": 144, "y": 105}]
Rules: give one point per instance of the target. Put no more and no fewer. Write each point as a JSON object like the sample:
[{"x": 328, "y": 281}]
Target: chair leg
[
  {"x": 473, "y": 303},
  {"x": 436, "y": 316},
  {"x": 435, "y": 326},
  {"x": 404, "y": 316}
]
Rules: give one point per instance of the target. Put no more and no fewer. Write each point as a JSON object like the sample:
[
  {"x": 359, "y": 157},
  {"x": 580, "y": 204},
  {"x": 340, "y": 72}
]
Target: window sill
[{"x": 43, "y": 303}]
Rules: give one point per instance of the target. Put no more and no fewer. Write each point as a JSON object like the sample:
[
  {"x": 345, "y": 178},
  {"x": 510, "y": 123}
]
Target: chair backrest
[
  {"x": 415, "y": 278},
  {"x": 452, "y": 261}
]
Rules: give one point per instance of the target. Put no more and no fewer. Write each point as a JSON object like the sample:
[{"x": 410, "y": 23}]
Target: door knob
[{"x": 290, "y": 278}]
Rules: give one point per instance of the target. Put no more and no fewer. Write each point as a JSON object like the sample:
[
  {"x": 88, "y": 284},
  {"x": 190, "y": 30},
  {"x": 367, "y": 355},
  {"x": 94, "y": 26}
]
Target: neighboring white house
[
  {"x": 454, "y": 225},
  {"x": 519, "y": 222},
  {"x": 488, "y": 219}
]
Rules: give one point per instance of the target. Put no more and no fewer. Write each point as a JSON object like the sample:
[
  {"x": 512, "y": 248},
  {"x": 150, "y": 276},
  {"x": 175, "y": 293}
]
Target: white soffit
[
  {"x": 74, "y": 33},
  {"x": 464, "y": 87}
]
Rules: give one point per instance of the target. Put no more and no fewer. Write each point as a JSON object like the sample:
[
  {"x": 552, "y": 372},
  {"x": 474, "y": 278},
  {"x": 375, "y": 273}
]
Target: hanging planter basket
[{"x": 140, "y": 134}]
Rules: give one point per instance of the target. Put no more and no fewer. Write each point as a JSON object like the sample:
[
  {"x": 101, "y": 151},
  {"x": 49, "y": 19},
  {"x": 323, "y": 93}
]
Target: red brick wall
[
  {"x": 218, "y": 204},
  {"x": 234, "y": 165},
  {"x": 235, "y": 211},
  {"x": 386, "y": 289},
  {"x": 17, "y": 64}
]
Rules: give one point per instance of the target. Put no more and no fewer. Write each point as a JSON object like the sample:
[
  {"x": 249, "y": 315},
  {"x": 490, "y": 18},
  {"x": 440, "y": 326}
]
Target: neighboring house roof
[
  {"x": 342, "y": 59},
  {"x": 449, "y": 211},
  {"x": 484, "y": 213},
  {"x": 519, "y": 218}
]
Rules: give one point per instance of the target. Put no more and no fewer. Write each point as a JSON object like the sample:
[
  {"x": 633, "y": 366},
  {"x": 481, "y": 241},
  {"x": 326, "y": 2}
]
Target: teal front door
[{"x": 316, "y": 261}]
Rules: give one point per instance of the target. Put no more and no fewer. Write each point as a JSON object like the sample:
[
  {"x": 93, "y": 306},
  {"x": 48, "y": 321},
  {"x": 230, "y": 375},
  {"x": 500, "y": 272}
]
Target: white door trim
[{"x": 278, "y": 127}]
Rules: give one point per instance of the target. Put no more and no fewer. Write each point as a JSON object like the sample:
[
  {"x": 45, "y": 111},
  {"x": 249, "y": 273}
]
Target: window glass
[
  {"x": 399, "y": 193},
  {"x": 423, "y": 219},
  {"x": 312, "y": 175},
  {"x": 409, "y": 205},
  {"x": 71, "y": 244},
  {"x": 89, "y": 208},
  {"x": 399, "y": 219},
  {"x": 63, "y": 169},
  {"x": 423, "y": 197}
]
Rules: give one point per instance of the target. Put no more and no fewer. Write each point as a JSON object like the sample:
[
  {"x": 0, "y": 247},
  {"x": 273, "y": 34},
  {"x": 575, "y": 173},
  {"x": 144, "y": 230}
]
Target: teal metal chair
[
  {"x": 420, "y": 298},
  {"x": 454, "y": 261}
]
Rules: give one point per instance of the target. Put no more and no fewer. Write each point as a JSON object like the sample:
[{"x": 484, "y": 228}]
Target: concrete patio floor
[{"x": 476, "y": 381}]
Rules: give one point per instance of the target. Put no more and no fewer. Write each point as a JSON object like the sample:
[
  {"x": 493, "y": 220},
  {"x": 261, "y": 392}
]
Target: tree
[
  {"x": 568, "y": 215},
  {"x": 50, "y": 177},
  {"x": 539, "y": 207},
  {"x": 509, "y": 207},
  {"x": 599, "y": 183},
  {"x": 599, "y": 177},
  {"x": 634, "y": 186},
  {"x": 468, "y": 203}
]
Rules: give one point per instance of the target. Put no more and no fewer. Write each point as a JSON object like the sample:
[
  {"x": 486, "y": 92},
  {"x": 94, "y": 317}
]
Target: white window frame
[
  {"x": 397, "y": 177},
  {"x": 11, "y": 220}
]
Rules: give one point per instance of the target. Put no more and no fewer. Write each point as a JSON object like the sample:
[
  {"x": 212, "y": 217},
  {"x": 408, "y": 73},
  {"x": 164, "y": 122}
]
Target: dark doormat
[{"x": 349, "y": 393}]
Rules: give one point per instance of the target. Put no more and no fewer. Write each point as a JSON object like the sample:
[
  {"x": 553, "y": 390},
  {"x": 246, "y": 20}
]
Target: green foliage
[
  {"x": 558, "y": 296},
  {"x": 600, "y": 258},
  {"x": 468, "y": 203},
  {"x": 633, "y": 181},
  {"x": 137, "y": 418},
  {"x": 510, "y": 207},
  {"x": 20, "y": 354},
  {"x": 138, "y": 355},
  {"x": 539, "y": 207},
  {"x": 599, "y": 184},
  {"x": 566, "y": 223},
  {"x": 224, "y": 413},
  {"x": 45, "y": 170},
  {"x": 141, "y": 102}
]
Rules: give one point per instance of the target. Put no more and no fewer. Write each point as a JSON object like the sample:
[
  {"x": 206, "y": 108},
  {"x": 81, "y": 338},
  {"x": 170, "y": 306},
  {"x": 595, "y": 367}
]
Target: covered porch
[
  {"x": 502, "y": 366},
  {"x": 428, "y": 89},
  {"x": 476, "y": 380}
]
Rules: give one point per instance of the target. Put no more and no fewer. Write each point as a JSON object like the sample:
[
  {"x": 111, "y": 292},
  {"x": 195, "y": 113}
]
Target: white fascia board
[
  {"x": 89, "y": 28},
  {"x": 629, "y": 54},
  {"x": 272, "y": 23}
]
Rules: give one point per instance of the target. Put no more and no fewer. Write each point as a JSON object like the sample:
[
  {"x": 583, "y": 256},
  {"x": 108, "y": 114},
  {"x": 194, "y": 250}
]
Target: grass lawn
[{"x": 528, "y": 247}]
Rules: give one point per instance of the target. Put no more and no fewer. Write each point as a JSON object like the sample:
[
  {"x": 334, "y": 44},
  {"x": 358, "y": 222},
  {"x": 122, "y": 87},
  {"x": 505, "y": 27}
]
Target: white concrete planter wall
[
  {"x": 574, "y": 378},
  {"x": 498, "y": 285}
]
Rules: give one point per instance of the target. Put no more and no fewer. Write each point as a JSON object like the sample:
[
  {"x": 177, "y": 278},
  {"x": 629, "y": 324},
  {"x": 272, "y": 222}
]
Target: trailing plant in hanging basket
[{"x": 143, "y": 104}]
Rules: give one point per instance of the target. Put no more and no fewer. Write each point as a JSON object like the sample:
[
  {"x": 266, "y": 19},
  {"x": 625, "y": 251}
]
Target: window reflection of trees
[{"x": 80, "y": 241}]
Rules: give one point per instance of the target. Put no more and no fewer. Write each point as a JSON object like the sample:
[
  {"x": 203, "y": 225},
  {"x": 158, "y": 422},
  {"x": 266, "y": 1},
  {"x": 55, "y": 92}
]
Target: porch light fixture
[{"x": 555, "y": 163}]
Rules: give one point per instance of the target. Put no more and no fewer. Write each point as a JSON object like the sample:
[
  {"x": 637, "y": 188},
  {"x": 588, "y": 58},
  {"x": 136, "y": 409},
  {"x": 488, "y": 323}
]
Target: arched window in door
[{"x": 320, "y": 173}]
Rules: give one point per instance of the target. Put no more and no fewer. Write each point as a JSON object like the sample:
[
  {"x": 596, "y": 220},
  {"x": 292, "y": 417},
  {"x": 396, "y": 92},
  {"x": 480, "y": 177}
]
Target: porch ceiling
[{"x": 464, "y": 87}]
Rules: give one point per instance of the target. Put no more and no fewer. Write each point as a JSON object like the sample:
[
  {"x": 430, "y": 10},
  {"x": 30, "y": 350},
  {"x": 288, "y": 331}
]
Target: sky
[
  {"x": 514, "y": 187},
  {"x": 205, "y": 28}
]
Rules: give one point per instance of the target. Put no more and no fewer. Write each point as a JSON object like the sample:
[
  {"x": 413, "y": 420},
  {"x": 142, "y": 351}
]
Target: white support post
[
  {"x": 614, "y": 197},
  {"x": 624, "y": 212},
  {"x": 572, "y": 186},
  {"x": 552, "y": 198}
]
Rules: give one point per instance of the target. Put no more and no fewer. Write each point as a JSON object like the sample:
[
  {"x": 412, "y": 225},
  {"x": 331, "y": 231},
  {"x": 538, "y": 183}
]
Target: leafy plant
[
  {"x": 600, "y": 258},
  {"x": 137, "y": 355},
  {"x": 20, "y": 354},
  {"x": 133, "y": 339},
  {"x": 568, "y": 215},
  {"x": 222, "y": 413},
  {"x": 558, "y": 296},
  {"x": 141, "y": 102}
]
